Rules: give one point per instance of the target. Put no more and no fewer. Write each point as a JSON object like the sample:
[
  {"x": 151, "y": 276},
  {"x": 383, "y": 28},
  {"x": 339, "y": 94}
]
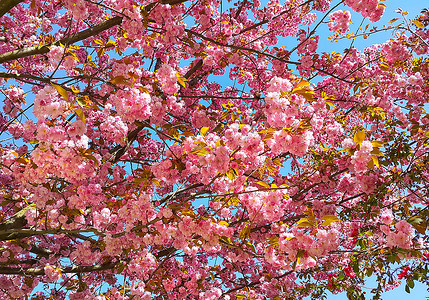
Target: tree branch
[
  {"x": 22, "y": 76},
  {"x": 205, "y": 38},
  {"x": 20, "y": 233},
  {"x": 17, "y": 221},
  {"x": 15, "y": 54},
  {"x": 74, "y": 269}
]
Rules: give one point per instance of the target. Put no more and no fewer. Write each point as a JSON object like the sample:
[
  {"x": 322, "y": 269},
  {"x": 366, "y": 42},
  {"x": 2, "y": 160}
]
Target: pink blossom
[
  {"x": 52, "y": 272},
  {"x": 339, "y": 21}
]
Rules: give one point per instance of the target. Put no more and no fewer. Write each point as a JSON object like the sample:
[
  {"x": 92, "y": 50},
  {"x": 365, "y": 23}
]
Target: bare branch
[{"x": 205, "y": 38}]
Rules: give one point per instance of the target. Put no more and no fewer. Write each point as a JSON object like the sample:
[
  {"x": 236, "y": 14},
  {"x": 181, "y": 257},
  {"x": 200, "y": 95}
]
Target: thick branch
[
  {"x": 7, "y": 5},
  {"x": 12, "y": 55},
  {"x": 20, "y": 233},
  {"x": 17, "y": 221},
  {"x": 75, "y": 269},
  {"x": 22, "y": 76},
  {"x": 41, "y": 251}
]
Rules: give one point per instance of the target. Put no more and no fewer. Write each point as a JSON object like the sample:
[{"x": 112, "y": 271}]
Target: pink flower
[
  {"x": 404, "y": 272},
  {"x": 278, "y": 84},
  {"x": 52, "y": 272},
  {"x": 404, "y": 226},
  {"x": 387, "y": 216},
  {"x": 361, "y": 157},
  {"x": 340, "y": 21}
]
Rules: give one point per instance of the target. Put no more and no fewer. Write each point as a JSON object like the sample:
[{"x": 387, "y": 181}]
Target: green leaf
[
  {"x": 410, "y": 283},
  {"x": 81, "y": 101},
  {"x": 415, "y": 220},
  {"x": 418, "y": 223},
  {"x": 421, "y": 228},
  {"x": 377, "y": 152}
]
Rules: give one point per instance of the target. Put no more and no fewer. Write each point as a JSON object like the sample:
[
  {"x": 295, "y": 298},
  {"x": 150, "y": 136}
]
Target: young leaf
[
  {"x": 204, "y": 130},
  {"x": 377, "y": 143},
  {"x": 244, "y": 232},
  {"x": 359, "y": 137},
  {"x": 120, "y": 80},
  {"x": 110, "y": 44},
  {"x": 328, "y": 219},
  {"x": 303, "y": 83},
  {"x": 61, "y": 91},
  {"x": 264, "y": 184},
  {"x": 375, "y": 161},
  {"x": 80, "y": 114},
  {"x": 200, "y": 151},
  {"x": 304, "y": 222},
  {"x": 181, "y": 80},
  {"x": 419, "y": 24},
  {"x": 223, "y": 223}
]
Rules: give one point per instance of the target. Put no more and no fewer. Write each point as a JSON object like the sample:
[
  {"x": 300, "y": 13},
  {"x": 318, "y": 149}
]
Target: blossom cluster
[
  {"x": 339, "y": 21},
  {"x": 371, "y": 9}
]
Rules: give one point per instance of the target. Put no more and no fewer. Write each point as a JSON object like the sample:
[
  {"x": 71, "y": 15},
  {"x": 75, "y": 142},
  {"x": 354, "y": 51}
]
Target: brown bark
[{"x": 7, "y": 5}]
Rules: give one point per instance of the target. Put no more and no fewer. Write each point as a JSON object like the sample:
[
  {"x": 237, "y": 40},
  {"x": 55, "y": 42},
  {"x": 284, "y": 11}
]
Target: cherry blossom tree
[{"x": 131, "y": 169}]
